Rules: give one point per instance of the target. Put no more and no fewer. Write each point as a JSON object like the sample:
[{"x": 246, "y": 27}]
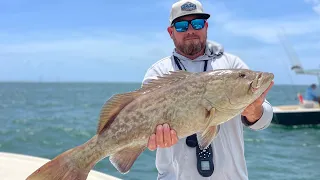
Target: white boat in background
[
  {"x": 295, "y": 115},
  {"x": 17, "y": 166},
  {"x": 304, "y": 112}
]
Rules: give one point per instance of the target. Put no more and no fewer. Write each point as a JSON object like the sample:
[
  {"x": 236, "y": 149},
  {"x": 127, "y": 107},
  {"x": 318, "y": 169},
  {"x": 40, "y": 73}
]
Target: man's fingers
[
  {"x": 163, "y": 138},
  {"x": 174, "y": 137},
  {"x": 159, "y": 136},
  {"x": 166, "y": 135},
  {"x": 267, "y": 90},
  {"x": 152, "y": 143},
  {"x": 264, "y": 94}
]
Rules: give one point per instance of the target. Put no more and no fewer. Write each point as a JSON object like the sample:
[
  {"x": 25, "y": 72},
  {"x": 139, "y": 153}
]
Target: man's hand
[
  {"x": 164, "y": 137},
  {"x": 255, "y": 110}
]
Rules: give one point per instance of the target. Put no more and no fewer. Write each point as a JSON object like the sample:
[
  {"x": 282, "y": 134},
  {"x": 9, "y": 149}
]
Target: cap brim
[{"x": 201, "y": 15}]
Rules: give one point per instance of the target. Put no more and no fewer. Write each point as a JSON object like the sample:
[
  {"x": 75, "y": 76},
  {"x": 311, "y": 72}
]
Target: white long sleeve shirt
[{"x": 179, "y": 161}]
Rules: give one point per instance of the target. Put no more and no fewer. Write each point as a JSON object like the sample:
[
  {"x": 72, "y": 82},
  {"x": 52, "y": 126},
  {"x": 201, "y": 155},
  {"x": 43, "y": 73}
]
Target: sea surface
[{"x": 45, "y": 119}]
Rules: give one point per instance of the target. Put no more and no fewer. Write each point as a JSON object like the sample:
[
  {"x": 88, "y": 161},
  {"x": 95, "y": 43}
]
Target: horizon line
[{"x": 100, "y": 82}]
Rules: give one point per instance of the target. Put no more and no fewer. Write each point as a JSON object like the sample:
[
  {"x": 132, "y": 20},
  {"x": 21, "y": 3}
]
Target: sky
[{"x": 113, "y": 41}]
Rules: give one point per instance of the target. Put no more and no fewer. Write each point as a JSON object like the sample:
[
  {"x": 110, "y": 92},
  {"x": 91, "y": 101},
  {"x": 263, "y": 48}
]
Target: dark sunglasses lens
[
  {"x": 181, "y": 26},
  {"x": 197, "y": 23}
]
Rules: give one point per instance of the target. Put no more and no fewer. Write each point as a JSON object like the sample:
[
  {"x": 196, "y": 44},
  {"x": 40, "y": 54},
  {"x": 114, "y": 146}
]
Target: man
[
  {"x": 174, "y": 158},
  {"x": 311, "y": 95}
]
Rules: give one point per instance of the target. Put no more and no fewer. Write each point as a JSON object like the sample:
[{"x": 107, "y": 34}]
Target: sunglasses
[{"x": 182, "y": 26}]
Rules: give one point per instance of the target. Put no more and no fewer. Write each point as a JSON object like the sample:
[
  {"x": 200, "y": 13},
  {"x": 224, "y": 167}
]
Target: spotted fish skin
[{"x": 189, "y": 102}]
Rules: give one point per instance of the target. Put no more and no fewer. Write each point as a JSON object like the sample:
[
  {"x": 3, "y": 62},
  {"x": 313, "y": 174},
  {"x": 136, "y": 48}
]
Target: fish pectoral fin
[
  {"x": 124, "y": 159},
  {"x": 209, "y": 133},
  {"x": 207, "y": 136},
  {"x": 112, "y": 107}
]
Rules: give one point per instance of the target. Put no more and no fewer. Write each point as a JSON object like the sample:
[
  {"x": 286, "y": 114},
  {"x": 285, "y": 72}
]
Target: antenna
[{"x": 296, "y": 65}]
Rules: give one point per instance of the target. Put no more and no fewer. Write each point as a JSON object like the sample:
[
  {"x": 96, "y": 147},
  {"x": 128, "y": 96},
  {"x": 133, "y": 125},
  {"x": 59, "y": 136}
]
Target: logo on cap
[{"x": 188, "y": 7}]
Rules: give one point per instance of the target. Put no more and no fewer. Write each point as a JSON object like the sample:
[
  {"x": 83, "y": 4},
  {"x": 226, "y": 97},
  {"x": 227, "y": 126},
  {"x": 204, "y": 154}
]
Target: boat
[
  {"x": 304, "y": 112},
  {"x": 290, "y": 115},
  {"x": 18, "y": 166}
]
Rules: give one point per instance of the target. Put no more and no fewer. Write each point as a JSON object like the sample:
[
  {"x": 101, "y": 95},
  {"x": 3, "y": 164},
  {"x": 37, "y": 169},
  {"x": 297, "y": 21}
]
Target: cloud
[
  {"x": 65, "y": 55},
  {"x": 116, "y": 52},
  {"x": 315, "y": 4},
  {"x": 107, "y": 46},
  {"x": 112, "y": 46},
  {"x": 264, "y": 30},
  {"x": 267, "y": 54}
]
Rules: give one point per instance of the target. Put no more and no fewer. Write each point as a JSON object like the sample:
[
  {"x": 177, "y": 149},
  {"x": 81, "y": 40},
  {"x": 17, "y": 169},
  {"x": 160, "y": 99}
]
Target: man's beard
[{"x": 190, "y": 47}]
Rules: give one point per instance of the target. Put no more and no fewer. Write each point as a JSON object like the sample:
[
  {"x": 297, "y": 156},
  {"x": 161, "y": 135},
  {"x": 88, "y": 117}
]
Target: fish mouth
[{"x": 262, "y": 80}]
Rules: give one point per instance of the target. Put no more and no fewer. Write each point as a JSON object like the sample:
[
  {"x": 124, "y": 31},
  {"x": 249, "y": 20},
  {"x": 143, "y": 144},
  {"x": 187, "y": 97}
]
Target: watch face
[{"x": 205, "y": 165}]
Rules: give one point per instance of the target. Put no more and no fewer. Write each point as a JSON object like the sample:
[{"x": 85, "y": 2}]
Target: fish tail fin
[{"x": 63, "y": 167}]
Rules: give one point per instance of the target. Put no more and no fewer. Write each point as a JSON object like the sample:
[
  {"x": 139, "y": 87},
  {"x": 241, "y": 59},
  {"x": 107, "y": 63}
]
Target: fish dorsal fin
[
  {"x": 117, "y": 102},
  {"x": 165, "y": 80},
  {"x": 113, "y": 106}
]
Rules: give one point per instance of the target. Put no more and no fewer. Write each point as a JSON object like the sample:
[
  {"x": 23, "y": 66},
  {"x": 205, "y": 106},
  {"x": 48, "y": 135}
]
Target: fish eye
[{"x": 242, "y": 75}]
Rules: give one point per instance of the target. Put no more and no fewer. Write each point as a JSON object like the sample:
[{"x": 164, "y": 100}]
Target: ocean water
[{"x": 45, "y": 119}]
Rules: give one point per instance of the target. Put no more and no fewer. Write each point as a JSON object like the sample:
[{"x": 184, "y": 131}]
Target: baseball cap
[{"x": 187, "y": 7}]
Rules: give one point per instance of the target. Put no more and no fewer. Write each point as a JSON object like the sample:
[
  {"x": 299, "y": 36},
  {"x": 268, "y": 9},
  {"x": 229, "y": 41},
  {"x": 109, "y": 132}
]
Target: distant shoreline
[
  {"x": 67, "y": 82},
  {"x": 101, "y": 82}
]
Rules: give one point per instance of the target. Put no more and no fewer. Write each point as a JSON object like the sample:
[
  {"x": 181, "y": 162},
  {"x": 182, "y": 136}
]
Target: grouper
[{"x": 189, "y": 102}]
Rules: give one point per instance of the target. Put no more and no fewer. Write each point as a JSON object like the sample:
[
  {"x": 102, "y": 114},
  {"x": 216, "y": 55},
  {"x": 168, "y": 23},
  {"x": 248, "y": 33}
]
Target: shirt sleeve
[
  {"x": 150, "y": 74},
  {"x": 313, "y": 94},
  {"x": 267, "y": 115},
  {"x": 164, "y": 164}
]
